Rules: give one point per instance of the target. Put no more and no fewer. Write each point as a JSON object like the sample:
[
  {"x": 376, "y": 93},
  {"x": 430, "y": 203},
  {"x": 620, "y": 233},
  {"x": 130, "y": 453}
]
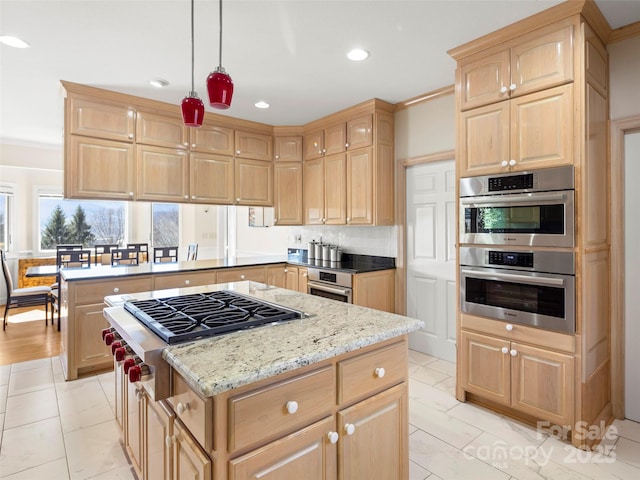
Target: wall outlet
[{"x": 298, "y": 239}]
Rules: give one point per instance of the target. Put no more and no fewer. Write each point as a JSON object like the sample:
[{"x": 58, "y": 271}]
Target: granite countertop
[
  {"x": 102, "y": 271},
  {"x": 217, "y": 364}
]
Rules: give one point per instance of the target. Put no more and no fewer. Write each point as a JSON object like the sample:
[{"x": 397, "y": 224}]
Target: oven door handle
[
  {"x": 330, "y": 289},
  {"x": 557, "y": 282},
  {"x": 528, "y": 197}
]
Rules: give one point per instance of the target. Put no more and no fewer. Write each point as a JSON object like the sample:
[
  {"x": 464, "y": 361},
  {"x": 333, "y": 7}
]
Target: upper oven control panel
[{"x": 544, "y": 180}]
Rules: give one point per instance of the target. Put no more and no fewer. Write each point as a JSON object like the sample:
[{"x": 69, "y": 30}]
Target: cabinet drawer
[
  {"x": 277, "y": 409},
  {"x": 371, "y": 372},
  {"x": 183, "y": 280},
  {"x": 239, "y": 274},
  {"x": 94, "y": 292},
  {"x": 196, "y": 413},
  {"x": 519, "y": 333}
]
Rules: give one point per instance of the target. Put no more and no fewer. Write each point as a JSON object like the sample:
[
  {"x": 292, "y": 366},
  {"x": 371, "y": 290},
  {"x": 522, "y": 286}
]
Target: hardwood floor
[{"x": 27, "y": 337}]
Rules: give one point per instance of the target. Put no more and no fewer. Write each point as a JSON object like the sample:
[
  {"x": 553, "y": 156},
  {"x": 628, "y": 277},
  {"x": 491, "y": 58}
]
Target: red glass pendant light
[
  {"x": 219, "y": 84},
  {"x": 192, "y": 106}
]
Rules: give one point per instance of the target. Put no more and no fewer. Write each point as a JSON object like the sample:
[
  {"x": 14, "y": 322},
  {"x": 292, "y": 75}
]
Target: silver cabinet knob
[
  {"x": 379, "y": 372},
  {"x": 349, "y": 428},
  {"x": 292, "y": 407},
  {"x": 333, "y": 437},
  {"x": 505, "y": 350},
  {"x": 512, "y": 87},
  {"x": 512, "y": 162},
  {"x": 509, "y": 327},
  {"x": 130, "y": 135},
  {"x": 504, "y": 163},
  {"x": 503, "y": 89},
  {"x": 513, "y": 352}
]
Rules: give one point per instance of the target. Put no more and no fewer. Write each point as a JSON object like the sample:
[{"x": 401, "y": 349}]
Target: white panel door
[
  {"x": 632, "y": 276},
  {"x": 431, "y": 261}
]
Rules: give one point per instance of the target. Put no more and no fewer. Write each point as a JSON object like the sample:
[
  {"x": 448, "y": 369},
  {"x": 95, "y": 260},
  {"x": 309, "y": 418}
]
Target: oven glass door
[
  {"x": 536, "y": 299},
  {"x": 329, "y": 291},
  {"x": 518, "y": 219}
]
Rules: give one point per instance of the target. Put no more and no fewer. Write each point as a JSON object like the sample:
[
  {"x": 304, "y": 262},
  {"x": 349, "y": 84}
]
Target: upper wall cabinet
[
  {"x": 534, "y": 62},
  {"x": 255, "y": 146},
  {"x": 161, "y": 130},
  {"x": 288, "y": 148},
  {"x": 100, "y": 119},
  {"x": 212, "y": 139}
]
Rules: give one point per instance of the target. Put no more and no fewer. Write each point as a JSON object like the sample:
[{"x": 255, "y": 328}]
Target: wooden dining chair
[
  {"x": 125, "y": 256},
  {"x": 142, "y": 248},
  {"x": 102, "y": 253},
  {"x": 165, "y": 254},
  {"x": 24, "y": 297},
  {"x": 192, "y": 251}
]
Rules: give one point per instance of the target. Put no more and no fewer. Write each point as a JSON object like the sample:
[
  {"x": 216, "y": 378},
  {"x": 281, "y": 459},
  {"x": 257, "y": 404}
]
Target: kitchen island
[{"x": 321, "y": 397}]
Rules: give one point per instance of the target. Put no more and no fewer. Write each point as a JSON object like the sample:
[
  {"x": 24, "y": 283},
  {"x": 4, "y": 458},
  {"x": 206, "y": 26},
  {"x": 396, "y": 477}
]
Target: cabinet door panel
[
  {"x": 288, "y": 193},
  {"x": 377, "y": 449},
  {"x": 542, "y": 383},
  {"x": 306, "y": 454},
  {"x": 360, "y": 132},
  {"x": 335, "y": 190},
  {"x": 360, "y": 187},
  {"x": 159, "y": 424},
  {"x": 313, "y": 192},
  {"x": 542, "y": 62},
  {"x": 100, "y": 120},
  {"x": 335, "y": 139},
  {"x": 189, "y": 461},
  {"x": 482, "y": 79},
  {"x": 213, "y": 139},
  {"x": 99, "y": 169},
  {"x": 163, "y": 174},
  {"x": 254, "y": 182},
  {"x": 484, "y": 139},
  {"x": 254, "y": 145},
  {"x": 90, "y": 349},
  {"x": 228, "y": 275},
  {"x": 134, "y": 426},
  {"x": 485, "y": 368},
  {"x": 161, "y": 130},
  {"x": 542, "y": 128},
  {"x": 292, "y": 279},
  {"x": 288, "y": 149},
  {"x": 313, "y": 144},
  {"x": 211, "y": 178},
  {"x": 303, "y": 276}
]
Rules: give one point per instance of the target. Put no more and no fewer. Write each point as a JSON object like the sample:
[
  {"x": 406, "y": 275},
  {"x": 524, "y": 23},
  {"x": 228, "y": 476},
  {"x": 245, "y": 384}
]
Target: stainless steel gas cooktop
[{"x": 187, "y": 317}]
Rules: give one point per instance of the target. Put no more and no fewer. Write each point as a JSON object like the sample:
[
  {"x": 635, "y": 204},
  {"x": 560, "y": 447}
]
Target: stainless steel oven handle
[
  {"x": 558, "y": 282},
  {"x": 512, "y": 198},
  {"x": 330, "y": 289}
]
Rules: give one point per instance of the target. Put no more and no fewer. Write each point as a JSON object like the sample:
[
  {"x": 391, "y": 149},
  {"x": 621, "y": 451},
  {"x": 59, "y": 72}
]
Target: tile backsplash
[{"x": 378, "y": 241}]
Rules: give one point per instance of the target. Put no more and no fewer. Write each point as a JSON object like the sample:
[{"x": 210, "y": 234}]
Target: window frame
[{"x": 9, "y": 189}]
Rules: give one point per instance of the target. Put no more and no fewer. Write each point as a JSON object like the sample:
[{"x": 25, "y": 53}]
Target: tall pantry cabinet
[{"x": 535, "y": 95}]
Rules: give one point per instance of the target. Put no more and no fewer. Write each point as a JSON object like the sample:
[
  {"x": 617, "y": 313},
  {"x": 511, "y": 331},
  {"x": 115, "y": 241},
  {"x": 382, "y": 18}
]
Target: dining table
[{"x": 42, "y": 271}]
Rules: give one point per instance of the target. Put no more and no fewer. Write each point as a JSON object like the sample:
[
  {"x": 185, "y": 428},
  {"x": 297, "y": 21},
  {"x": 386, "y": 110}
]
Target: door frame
[
  {"x": 619, "y": 128},
  {"x": 401, "y": 219}
]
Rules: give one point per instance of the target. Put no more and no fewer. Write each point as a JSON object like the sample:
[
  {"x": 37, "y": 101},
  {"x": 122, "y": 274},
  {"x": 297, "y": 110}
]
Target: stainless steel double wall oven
[{"x": 517, "y": 235}]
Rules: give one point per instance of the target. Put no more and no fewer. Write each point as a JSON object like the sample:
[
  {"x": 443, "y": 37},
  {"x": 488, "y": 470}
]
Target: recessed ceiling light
[
  {"x": 262, "y": 104},
  {"x": 13, "y": 41},
  {"x": 158, "y": 82},
  {"x": 358, "y": 54}
]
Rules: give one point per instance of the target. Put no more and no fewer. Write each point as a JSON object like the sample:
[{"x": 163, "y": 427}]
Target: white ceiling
[{"x": 290, "y": 53}]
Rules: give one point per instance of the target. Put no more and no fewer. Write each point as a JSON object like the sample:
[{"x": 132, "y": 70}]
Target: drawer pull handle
[
  {"x": 509, "y": 327},
  {"x": 169, "y": 440},
  {"x": 292, "y": 407},
  {"x": 187, "y": 282},
  {"x": 116, "y": 290},
  {"x": 182, "y": 408},
  {"x": 242, "y": 277},
  {"x": 333, "y": 437},
  {"x": 379, "y": 372},
  {"x": 349, "y": 428},
  {"x": 505, "y": 350}
]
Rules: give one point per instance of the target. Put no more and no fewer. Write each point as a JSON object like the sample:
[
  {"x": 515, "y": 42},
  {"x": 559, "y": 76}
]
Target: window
[
  {"x": 79, "y": 221},
  {"x": 165, "y": 224},
  {"x": 6, "y": 198}
]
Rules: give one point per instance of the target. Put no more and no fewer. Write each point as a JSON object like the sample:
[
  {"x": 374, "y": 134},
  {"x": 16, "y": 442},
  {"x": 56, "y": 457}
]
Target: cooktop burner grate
[{"x": 187, "y": 317}]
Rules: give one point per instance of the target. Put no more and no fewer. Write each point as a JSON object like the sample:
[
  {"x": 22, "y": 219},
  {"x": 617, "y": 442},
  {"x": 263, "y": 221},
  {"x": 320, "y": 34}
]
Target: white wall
[{"x": 624, "y": 74}]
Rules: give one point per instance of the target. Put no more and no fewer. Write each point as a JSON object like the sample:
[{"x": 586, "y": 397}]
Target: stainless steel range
[
  {"x": 141, "y": 330},
  {"x": 187, "y": 317}
]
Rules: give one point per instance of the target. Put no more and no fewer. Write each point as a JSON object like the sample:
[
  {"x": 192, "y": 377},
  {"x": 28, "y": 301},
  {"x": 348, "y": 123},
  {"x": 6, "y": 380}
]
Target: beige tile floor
[{"x": 54, "y": 429}]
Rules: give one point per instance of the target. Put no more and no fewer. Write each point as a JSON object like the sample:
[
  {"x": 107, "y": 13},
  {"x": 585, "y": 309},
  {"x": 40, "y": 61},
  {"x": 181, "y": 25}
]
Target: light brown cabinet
[
  {"x": 238, "y": 274},
  {"x": 161, "y": 130},
  {"x": 253, "y": 182},
  {"x": 375, "y": 290},
  {"x": 254, "y": 146},
  {"x": 100, "y": 119},
  {"x": 287, "y": 187},
  {"x": 287, "y": 148},
  {"x": 534, "y": 62},
  {"x": 325, "y": 190},
  {"x": 215, "y": 139},
  {"x": 327, "y": 140},
  {"x": 532, "y": 131},
  {"x": 531, "y": 379},
  {"x": 211, "y": 178},
  {"x": 277, "y": 276},
  {"x": 553, "y": 112},
  {"x": 190, "y": 462},
  {"x": 185, "y": 279},
  {"x": 163, "y": 174}
]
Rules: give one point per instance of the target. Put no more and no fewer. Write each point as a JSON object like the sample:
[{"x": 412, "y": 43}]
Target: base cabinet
[
  {"x": 533, "y": 380},
  {"x": 375, "y": 290},
  {"x": 307, "y": 454},
  {"x": 189, "y": 460}
]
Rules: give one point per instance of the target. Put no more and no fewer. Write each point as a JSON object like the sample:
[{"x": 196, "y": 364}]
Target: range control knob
[
  {"x": 111, "y": 337},
  {"x": 105, "y": 331},
  {"x": 137, "y": 371},
  {"x": 115, "y": 346},
  {"x": 128, "y": 363},
  {"x": 122, "y": 352}
]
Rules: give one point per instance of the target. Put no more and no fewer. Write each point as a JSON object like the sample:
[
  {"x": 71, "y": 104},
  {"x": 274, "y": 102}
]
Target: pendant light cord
[
  {"x": 220, "y": 50},
  {"x": 192, "y": 50}
]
